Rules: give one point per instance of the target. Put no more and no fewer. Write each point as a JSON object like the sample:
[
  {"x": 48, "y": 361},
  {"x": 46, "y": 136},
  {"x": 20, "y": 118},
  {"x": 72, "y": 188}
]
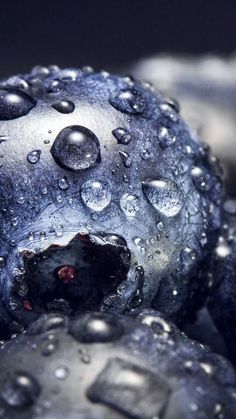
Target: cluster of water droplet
[
  {"x": 86, "y": 152},
  {"x": 126, "y": 367}
]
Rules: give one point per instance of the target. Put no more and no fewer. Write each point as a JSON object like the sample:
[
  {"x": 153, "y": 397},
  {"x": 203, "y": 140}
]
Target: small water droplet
[
  {"x": 2, "y": 262},
  {"x": 63, "y": 183},
  {"x": 130, "y": 204},
  {"x": 64, "y": 106},
  {"x": 223, "y": 249},
  {"x": 76, "y": 148},
  {"x": 128, "y": 101},
  {"x": 187, "y": 256},
  {"x": 164, "y": 195},
  {"x": 165, "y": 138},
  {"x": 20, "y": 389},
  {"x": 62, "y": 372},
  {"x": 14, "y": 103},
  {"x": 201, "y": 179},
  {"x": 95, "y": 194},
  {"x": 126, "y": 159},
  {"x": 55, "y": 86},
  {"x": 34, "y": 156},
  {"x": 20, "y": 199},
  {"x": 122, "y": 135}
]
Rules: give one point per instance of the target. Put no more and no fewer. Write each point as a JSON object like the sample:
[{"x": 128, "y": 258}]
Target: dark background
[{"x": 110, "y": 34}]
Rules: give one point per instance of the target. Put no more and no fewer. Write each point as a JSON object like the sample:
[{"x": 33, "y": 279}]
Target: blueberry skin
[
  {"x": 101, "y": 366},
  {"x": 95, "y": 154},
  {"x": 222, "y": 299}
]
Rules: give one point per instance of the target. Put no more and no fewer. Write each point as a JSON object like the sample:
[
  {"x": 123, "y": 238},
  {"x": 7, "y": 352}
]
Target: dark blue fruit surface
[
  {"x": 222, "y": 300},
  {"x": 108, "y": 201},
  {"x": 104, "y": 366}
]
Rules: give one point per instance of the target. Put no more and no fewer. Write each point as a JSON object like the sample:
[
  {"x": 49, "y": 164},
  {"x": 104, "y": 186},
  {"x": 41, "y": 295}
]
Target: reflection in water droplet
[
  {"x": 64, "y": 106},
  {"x": 20, "y": 389},
  {"x": 164, "y": 195},
  {"x": 129, "y": 101},
  {"x": 122, "y": 135},
  {"x": 76, "y": 148},
  {"x": 34, "y": 156},
  {"x": 14, "y": 103},
  {"x": 130, "y": 204},
  {"x": 95, "y": 194}
]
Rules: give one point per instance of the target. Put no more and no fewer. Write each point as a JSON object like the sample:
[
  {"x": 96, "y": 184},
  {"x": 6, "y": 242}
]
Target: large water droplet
[
  {"x": 130, "y": 388},
  {"x": 76, "y": 148},
  {"x": 122, "y": 135},
  {"x": 34, "y": 156},
  {"x": 95, "y": 194},
  {"x": 14, "y": 103},
  {"x": 164, "y": 195},
  {"x": 128, "y": 101},
  {"x": 130, "y": 204},
  {"x": 64, "y": 106},
  {"x": 96, "y": 327},
  {"x": 20, "y": 389}
]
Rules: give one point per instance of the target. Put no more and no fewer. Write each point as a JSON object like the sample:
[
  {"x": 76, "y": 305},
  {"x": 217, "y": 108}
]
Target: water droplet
[
  {"x": 63, "y": 183},
  {"x": 2, "y": 262},
  {"x": 49, "y": 347},
  {"x": 122, "y": 135},
  {"x": 126, "y": 159},
  {"x": 157, "y": 324},
  {"x": 47, "y": 322},
  {"x": 223, "y": 249},
  {"x": 128, "y": 101},
  {"x": 40, "y": 71},
  {"x": 64, "y": 106},
  {"x": 130, "y": 204},
  {"x": 20, "y": 389},
  {"x": 62, "y": 372},
  {"x": 55, "y": 86},
  {"x": 130, "y": 388},
  {"x": 95, "y": 194},
  {"x": 164, "y": 195},
  {"x": 188, "y": 257},
  {"x": 169, "y": 112},
  {"x": 34, "y": 156},
  {"x": 76, "y": 148},
  {"x": 14, "y": 103},
  {"x": 201, "y": 179},
  {"x": 165, "y": 139},
  {"x": 20, "y": 199},
  {"x": 96, "y": 327}
]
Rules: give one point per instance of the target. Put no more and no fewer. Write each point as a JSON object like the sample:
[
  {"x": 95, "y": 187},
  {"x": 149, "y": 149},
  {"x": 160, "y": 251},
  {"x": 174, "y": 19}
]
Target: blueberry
[
  {"x": 108, "y": 200},
  {"x": 99, "y": 365},
  {"x": 222, "y": 299}
]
